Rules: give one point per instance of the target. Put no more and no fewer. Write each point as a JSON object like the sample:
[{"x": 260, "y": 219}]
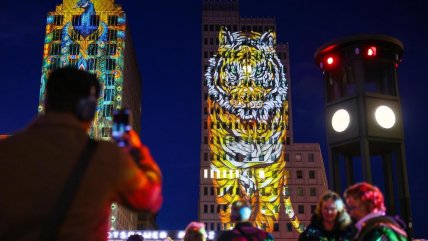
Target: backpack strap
[{"x": 57, "y": 217}]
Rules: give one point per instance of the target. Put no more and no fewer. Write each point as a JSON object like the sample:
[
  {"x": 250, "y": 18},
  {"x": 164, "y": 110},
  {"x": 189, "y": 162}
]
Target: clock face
[
  {"x": 385, "y": 116},
  {"x": 340, "y": 120}
]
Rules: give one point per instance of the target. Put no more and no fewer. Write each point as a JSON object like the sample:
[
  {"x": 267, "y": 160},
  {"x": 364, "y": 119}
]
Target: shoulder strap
[{"x": 56, "y": 218}]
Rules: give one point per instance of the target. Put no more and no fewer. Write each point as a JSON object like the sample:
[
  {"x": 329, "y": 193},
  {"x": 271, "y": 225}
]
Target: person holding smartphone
[{"x": 38, "y": 161}]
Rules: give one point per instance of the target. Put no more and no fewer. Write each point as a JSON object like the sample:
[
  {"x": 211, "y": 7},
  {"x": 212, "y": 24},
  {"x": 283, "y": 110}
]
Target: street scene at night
[{"x": 248, "y": 112}]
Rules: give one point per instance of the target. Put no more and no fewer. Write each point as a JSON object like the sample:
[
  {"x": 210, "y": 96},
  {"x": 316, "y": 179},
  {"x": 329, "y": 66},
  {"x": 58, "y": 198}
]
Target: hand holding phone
[{"x": 121, "y": 126}]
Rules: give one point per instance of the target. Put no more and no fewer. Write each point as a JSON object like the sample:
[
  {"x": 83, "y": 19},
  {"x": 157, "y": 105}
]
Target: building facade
[
  {"x": 93, "y": 35},
  {"x": 247, "y": 147}
]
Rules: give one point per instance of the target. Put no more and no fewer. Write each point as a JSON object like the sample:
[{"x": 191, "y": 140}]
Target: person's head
[
  {"x": 331, "y": 209},
  {"x": 74, "y": 91},
  {"x": 135, "y": 237},
  {"x": 362, "y": 199},
  {"x": 195, "y": 231},
  {"x": 241, "y": 211}
]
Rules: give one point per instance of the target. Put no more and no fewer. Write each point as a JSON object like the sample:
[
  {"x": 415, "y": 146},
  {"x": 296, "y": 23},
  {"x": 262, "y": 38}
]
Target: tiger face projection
[{"x": 247, "y": 126}]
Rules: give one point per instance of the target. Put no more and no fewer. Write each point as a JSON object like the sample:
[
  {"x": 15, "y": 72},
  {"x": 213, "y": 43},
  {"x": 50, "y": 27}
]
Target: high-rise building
[
  {"x": 93, "y": 35},
  {"x": 247, "y": 148}
]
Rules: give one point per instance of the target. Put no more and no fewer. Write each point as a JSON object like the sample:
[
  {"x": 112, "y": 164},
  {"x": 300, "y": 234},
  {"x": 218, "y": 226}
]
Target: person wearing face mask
[{"x": 330, "y": 221}]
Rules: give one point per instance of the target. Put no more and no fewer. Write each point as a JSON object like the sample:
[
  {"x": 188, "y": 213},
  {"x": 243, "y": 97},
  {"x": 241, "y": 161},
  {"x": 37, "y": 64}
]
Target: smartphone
[{"x": 121, "y": 125}]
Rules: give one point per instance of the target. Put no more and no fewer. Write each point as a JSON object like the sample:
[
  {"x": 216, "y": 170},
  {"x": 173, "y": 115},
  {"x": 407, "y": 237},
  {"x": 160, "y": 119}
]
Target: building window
[
  {"x": 77, "y": 20},
  {"x": 108, "y": 95},
  {"x": 94, "y": 35},
  {"x": 212, "y": 191},
  {"x": 299, "y": 174},
  {"x": 92, "y": 64},
  {"x": 75, "y": 35},
  {"x": 109, "y": 80},
  {"x": 108, "y": 110},
  {"x": 300, "y": 192},
  {"x": 95, "y": 20},
  {"x": 74, "y": 49},
  {"x": 205, "y": 191},
  {"x": 106, "y": 132},
  {"x": 312, "y": 191},
  {"x": 312, "y": 174},
  {"x": 112, "y": 35},
  {"x": 313, "y": 208},
  {"x": 205, "y": 208},
  {"x": 287, "y": 157},
  {"x": 276, "y": 227},
  {"x": 55, "y": 49},
  {"x": 205, "y": 140},
  {"x": 298, "y": 157},
  {"x": 205, "y": 156},
  {"x": 301, "y": 209},
  {"x": 112, "y": 20},
  {"x": 58, "y": 20},
  {"x": 111, "y": 49},
  {"x": 289, "y": 227},
  {"x": 205, "y": 27},
  {"x": 57, "y": 34},
  {"x": 311, "y": 157},
  {"x": 93, "y": 49},
  {"x": 212, "y": 208},
  {"x": 110, "y": 64},
  {"x": 54, "y": 63}
]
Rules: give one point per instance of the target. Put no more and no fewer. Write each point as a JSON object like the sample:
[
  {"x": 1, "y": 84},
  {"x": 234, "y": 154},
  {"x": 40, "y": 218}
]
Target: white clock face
[
  {"x": 385, "y": 116},
  {"x": 340, "y": 120}
]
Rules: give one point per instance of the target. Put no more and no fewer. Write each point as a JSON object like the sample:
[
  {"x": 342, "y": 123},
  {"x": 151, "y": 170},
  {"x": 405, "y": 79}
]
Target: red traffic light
[{"x": 371, "y": 51}]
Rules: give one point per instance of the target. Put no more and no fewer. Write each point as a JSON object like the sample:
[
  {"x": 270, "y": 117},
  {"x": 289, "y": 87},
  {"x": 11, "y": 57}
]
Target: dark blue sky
[{"x": 167, "y": 39}]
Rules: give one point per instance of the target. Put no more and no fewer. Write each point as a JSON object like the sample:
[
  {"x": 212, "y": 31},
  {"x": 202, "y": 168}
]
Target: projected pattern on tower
[{"x": 247, "y": 126}]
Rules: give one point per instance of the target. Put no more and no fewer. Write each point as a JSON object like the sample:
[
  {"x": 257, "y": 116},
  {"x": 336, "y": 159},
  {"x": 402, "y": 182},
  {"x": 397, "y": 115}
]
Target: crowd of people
[{"x": 59, "y": 184}]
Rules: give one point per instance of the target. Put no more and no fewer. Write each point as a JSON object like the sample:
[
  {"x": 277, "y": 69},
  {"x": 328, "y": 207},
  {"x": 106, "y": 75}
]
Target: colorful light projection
[
  {"x": 248, "y": 115},
  {"x": 78, "y": 35}
]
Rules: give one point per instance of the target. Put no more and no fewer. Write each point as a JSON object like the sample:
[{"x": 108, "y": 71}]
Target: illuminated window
[
  {"x": 312, "y": 174},
  {"x": 108, "y": 110},
  {"x": 299, "y": 174},
  {"x": 55, "y": 49},
  {"x": 111, "y": 49},
  {"x": 58, "y": 20},
  {"x": 74, "y": 49},
  {"x": 311, "y": 157},
  {"x": 300, "y": 192},
  {"x": 301, "y": 209},
  {"x": 92, "y": 64},
  {"x": 95, "y": 20},
  {"x": 77, "y": 20},
  {"x": 312, "y": 191},
  {"x": 93, "y": 49},
  {"x": 110, "y": 64},
  {"x": 112, "y": 20},
  {"x": 112, "y": 35},
  {"x": 56, "y": 34},
  {"x": 106, "y": 132},
  {"x": 109, "y": 95}
]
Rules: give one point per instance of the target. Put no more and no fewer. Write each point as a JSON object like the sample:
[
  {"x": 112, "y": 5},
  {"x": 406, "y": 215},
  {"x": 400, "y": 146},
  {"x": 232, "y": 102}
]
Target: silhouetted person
[
  {"x": 330, "y": 221},
  {"x": 243, "y": 230},
  {"x": 135, "y": 237},
  {"x": 366, "y": 206},
  {"x": 37, "y": 161},
  {"x": 195, "y": 231}
]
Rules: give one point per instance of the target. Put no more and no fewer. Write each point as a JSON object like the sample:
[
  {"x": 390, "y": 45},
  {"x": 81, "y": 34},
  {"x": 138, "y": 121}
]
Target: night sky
[{"x": 167, "y": 39}]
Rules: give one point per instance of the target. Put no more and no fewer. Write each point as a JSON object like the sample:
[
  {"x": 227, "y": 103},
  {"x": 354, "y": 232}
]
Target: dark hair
[
  {"x": 135, "y": 237},
  {"x": 342, "y": 219},
  {"x": 67, "y": 86},
  {"x": 370, "y": 196},
  {"x": 195, "y": 231}
]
